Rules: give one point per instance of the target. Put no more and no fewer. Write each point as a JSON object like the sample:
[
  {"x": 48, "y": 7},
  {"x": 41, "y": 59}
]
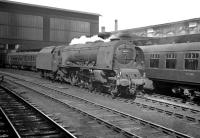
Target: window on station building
[
  {"x": 191, "y": 61},
  {"x": 171, "y": 60},
  {"x": 154, "y": 60}
]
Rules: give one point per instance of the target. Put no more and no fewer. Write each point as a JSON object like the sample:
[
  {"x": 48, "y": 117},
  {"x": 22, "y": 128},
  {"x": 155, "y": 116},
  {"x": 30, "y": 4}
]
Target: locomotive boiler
[{"x": 112, "y": 67}]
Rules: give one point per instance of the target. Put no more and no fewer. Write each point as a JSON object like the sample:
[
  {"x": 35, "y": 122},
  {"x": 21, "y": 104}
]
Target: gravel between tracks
[
  {"x": 80, "y": 125},
  {"x": 161, "y": 119}
]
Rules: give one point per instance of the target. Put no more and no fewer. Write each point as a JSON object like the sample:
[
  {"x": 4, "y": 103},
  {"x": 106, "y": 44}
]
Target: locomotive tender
[
  {"x": 175, "y": 67},
  {"x": 101, "y": 66}
]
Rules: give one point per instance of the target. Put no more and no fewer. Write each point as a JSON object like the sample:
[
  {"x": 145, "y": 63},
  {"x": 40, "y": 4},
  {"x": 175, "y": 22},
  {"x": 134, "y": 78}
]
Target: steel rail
[
  {"x": 67, "y": 133},
  {"x": 171, "y": 131},
  {"x": 10, "y": 123}
]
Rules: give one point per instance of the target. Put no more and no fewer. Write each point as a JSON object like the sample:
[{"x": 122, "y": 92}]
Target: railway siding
[
  {"x": 144, "y": 128},
  {"x": 172, "y": 109},
  {"x": 6, "y": 127},
  {"x": 124, "y": 105},
  {"x": 80, "y": 125},
  {"x": 27, "y": 120}
]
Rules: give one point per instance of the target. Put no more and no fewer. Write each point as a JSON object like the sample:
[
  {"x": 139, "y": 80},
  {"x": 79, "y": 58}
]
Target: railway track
[
  {"x": 88, "y": 122},
  {"x": 150, "y": 97},
  {"x": 6, "y": 128},
  {"x": 172, "y": 102},
  {"x": 170, "y": 106},
  {"x": 169, "y": 98},
  {"x": 172, "y": 109},
  {"x": 175, "y": 109},
  {"x": 24, "y": 120},
  {"x": 121, "y": 122},
  {"x": 180, "y": 111},
  {"x": 166, "y": 105}
]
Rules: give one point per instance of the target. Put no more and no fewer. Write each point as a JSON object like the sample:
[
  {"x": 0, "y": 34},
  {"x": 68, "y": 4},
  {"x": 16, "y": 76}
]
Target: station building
[
  {"x": 184, "y": 27},
  {"x": 32, "y": 27},
  {"x": 173, "y": 32}
]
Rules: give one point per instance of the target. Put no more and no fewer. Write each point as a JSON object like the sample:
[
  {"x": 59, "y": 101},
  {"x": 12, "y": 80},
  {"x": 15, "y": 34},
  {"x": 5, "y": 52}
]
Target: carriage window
[
  {"x": 191, "y": 61},
  {"x": 171, "y": 61},
  {"x": 154, "y": 60}
]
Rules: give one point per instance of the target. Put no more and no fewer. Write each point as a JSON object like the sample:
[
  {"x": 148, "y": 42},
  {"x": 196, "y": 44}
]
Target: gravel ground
[
  {"x": 161, "y": 119},
  {"x": 79, "y": 124},
  {"x": 158, "y": 118}
]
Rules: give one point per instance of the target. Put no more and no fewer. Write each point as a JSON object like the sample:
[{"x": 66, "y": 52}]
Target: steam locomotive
[
  {"x": 174, "y": 68},
  {"x": 115, "y": 67}
]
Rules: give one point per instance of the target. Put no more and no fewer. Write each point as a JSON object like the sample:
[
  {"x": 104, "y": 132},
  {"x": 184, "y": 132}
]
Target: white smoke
[{"x": 84, "y": 39}]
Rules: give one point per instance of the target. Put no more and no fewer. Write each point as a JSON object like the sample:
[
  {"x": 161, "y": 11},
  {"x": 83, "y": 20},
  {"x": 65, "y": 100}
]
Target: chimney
[
  {"x": 116, "y": 25},
  {"x": 103, "y": 29}
]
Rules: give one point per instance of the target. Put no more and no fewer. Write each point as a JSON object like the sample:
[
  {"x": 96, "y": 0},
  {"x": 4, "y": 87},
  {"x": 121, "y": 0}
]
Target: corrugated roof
[{"x": 48, "y": 7}]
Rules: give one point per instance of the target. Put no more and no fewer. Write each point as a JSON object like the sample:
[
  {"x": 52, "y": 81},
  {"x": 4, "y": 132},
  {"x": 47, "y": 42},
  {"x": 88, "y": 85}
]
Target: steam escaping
[{"x": 84, "y": 39}]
